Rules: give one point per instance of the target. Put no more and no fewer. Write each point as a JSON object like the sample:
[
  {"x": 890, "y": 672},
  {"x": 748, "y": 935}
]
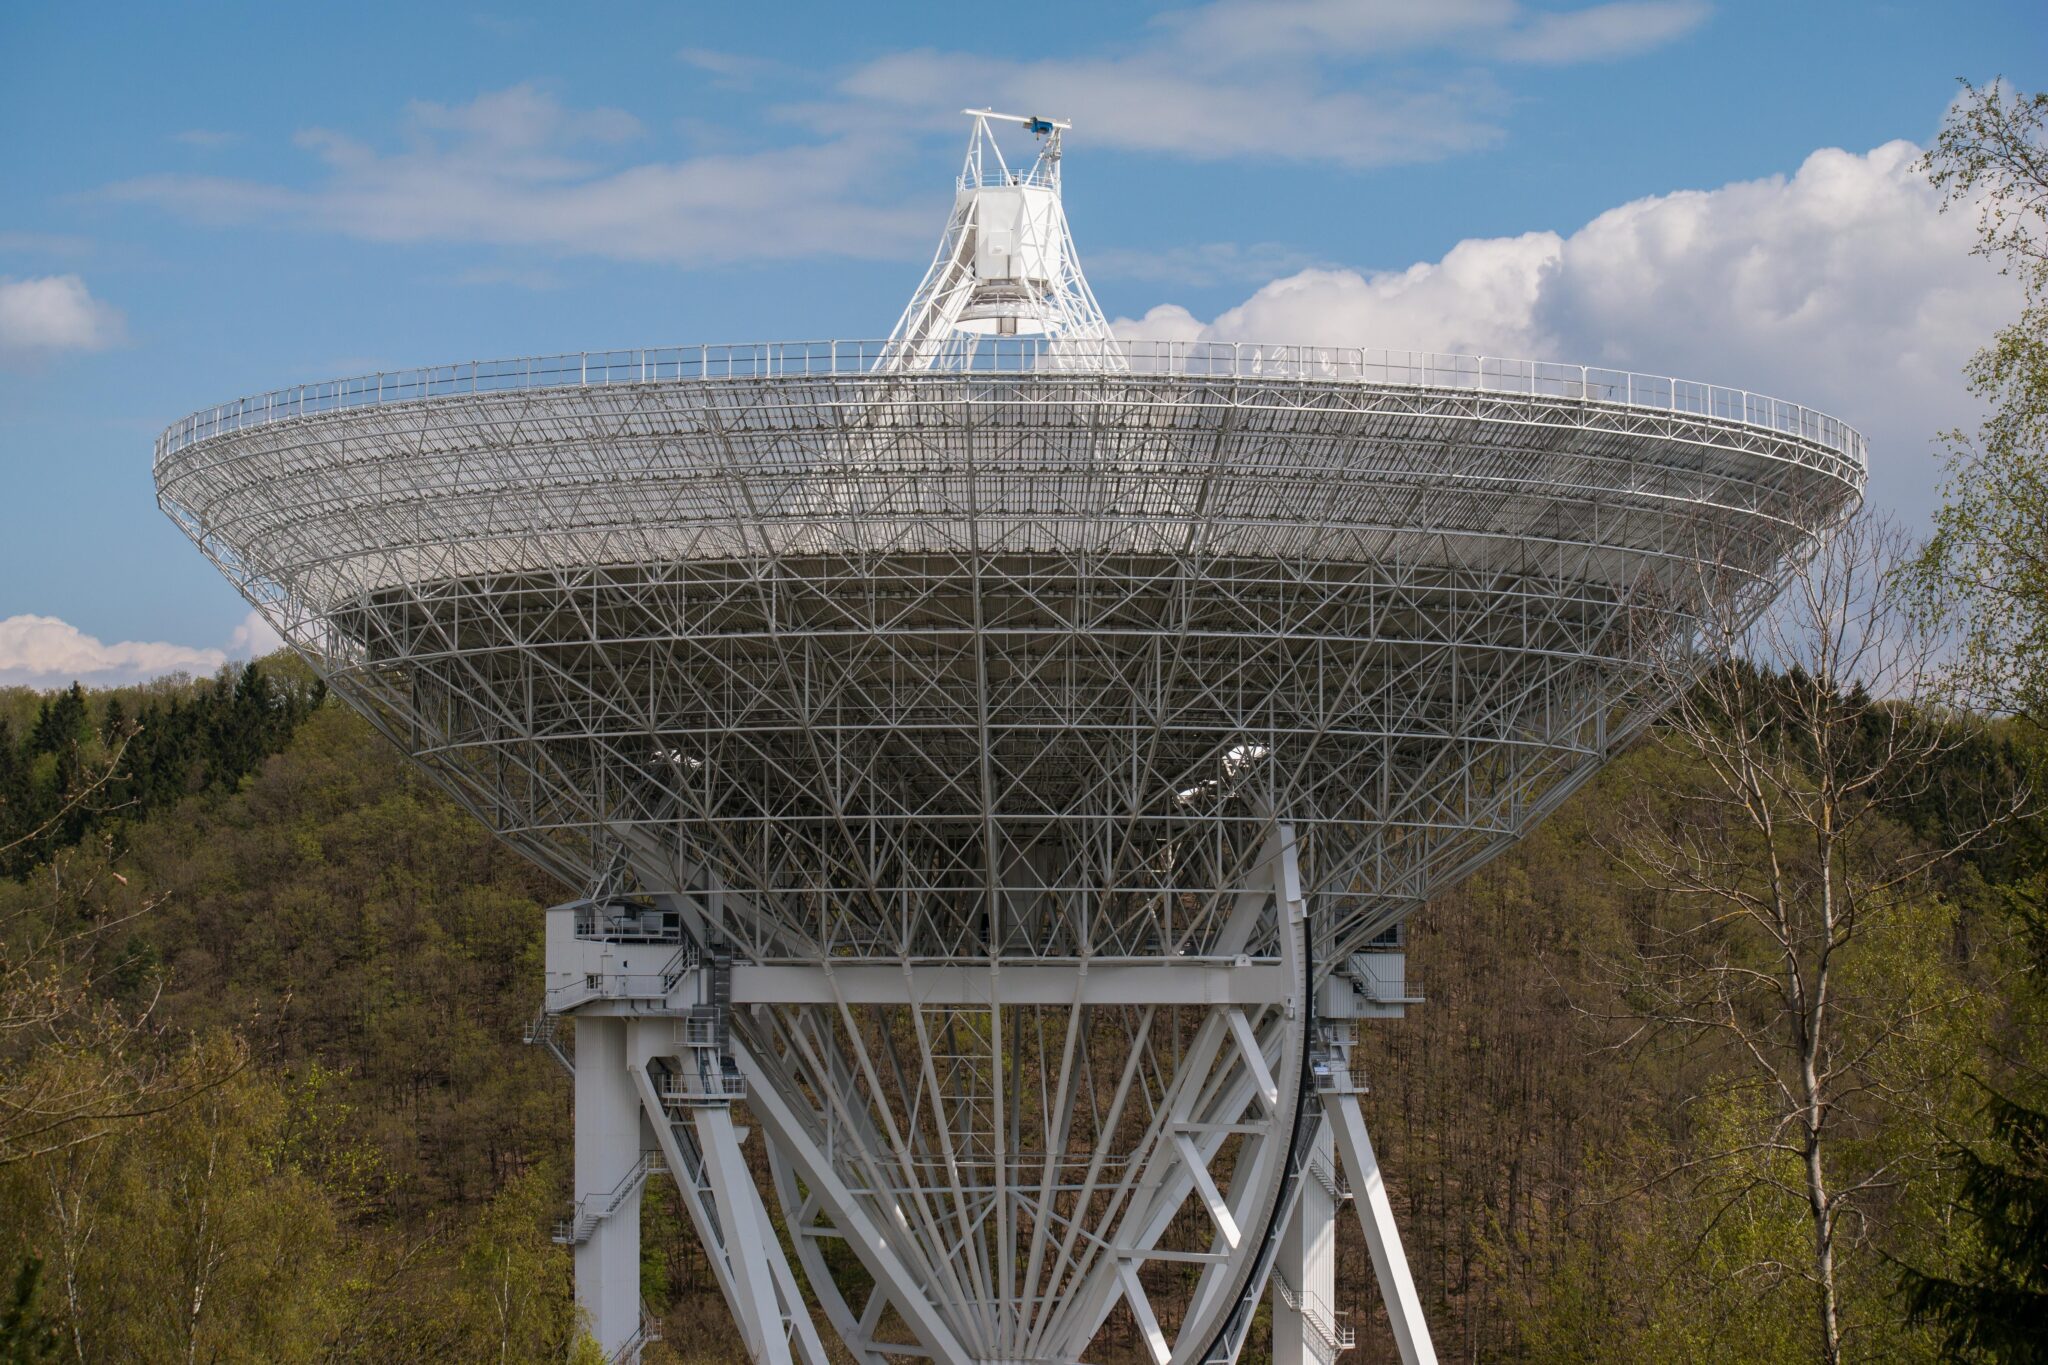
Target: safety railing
[
  {"x": 593, "y": 1209},
  {"x": 616, "y": 922},
  {"x": 686, "y": 1090},
  {"x": 1332, "y": 1333},
  {"x": 612, "y": 986},
  {"x": 1026, "y": 355},
  {"x": 546, "y": 1031}
]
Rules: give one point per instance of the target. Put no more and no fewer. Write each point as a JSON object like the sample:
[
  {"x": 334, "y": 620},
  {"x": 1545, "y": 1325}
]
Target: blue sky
[{"x": 198, "y": 202}]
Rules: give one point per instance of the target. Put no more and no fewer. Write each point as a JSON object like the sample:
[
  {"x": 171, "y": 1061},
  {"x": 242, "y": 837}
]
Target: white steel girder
[
  {"x": 1382, "y": 1238},
  {"x": 1303, "y": 1284},
  {"x": 998, "y": 1244},
  {"x": 1005, "y": 265},
  {"x": 604, "y": 1227},
  {"x": 727, "y": 1215},
  {"x": 943, "y": 679}
]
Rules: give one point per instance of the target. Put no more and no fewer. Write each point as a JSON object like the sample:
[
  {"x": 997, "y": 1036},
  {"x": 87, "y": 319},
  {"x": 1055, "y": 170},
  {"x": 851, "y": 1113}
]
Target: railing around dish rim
[{"x": 1024, "y": 355}]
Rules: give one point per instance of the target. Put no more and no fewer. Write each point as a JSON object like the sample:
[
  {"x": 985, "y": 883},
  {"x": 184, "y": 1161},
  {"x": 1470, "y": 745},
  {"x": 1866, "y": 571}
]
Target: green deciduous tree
[
  {"x": 1990, "y": 554},
  {"x": 27, "y": 1336}
]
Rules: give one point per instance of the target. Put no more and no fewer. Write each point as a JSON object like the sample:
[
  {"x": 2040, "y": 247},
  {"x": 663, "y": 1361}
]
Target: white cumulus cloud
[
  {"x": 43, "y": 314},
  {"x": 254, "y": 638},
  {"x": 45, "y": 651},
  {"x": 1842, "y": 287}
]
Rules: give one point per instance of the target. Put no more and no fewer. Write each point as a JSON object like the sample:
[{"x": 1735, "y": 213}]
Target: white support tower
[{"x": 997, "y": 760}]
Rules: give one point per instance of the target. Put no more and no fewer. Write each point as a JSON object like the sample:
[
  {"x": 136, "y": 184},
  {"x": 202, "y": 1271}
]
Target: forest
[{"x": 1742, "y": 1055}]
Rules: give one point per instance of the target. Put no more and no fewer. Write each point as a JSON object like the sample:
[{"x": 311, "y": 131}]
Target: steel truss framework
[
  {"x": 992, "y": 753},
  {"x": 937, "y": 668}
]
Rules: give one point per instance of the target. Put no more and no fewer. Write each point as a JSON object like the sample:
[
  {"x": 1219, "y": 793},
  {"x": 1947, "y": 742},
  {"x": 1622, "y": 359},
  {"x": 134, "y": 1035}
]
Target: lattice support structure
[{"x": 987, "y": 752}]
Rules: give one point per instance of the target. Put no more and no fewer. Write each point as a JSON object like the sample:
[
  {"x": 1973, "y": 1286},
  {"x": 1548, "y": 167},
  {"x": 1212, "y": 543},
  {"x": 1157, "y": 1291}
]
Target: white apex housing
[{"x": 1006, "y": 264}]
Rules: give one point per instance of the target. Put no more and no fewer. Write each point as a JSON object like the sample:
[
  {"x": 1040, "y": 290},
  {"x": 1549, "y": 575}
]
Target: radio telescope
[{"x": 999, "y": 758}]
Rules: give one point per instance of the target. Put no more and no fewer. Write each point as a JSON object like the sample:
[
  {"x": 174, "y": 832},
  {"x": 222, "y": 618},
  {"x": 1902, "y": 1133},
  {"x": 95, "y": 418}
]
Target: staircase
[
  {"x": 647, "y": 1333},
  {"x": 545, "y": 1030},
  {"x": 1333, "y": 1182},
  {"x": 1329, "y": 1061},
  {"x": 1330, "y": 1336},
  {"x": 594, "y": 1209}
]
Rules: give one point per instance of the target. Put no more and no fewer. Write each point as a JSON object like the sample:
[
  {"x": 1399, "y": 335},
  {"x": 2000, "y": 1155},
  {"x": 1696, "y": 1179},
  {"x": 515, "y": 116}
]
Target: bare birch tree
[{"x": 1789, "y": 924}]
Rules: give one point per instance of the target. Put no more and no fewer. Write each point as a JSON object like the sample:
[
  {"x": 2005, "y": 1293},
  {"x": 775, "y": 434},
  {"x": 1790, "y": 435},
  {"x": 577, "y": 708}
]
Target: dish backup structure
[{"x": 999, "y": 758}]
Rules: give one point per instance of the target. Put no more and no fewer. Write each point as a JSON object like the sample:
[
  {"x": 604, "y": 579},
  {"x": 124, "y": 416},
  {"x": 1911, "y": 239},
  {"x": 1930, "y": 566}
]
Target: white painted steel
[
  {"x": 1005, "y": 267},
  {"x": 760, "y": 1315},
  {"x": 1306, "y": 1327},
  {"x": 754, "y": 631},
  {"x": 1036, "y": 720},
  {"x": 846, "y": 358},
  {"x": 787, "y": 1328},
  {"x": 1382, "y": 1236},
  {"x": 608, "y": 1151}
]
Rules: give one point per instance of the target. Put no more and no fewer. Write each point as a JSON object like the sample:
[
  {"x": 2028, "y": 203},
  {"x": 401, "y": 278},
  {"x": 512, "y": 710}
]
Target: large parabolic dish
[{"x": 929, "y": 680}]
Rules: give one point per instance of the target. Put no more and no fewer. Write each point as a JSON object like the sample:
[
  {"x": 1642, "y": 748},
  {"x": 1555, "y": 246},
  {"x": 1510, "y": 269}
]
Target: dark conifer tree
[{"x": 1996, "y": 1307}]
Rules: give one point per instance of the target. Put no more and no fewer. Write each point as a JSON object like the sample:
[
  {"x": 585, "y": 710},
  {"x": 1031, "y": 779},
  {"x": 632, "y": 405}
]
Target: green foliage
[
  {"x": 378, "y": 1165},
  {"x": 27, "y": 1336},
  {"x": 136, "y": 750},
  {"x": 1990, "y": 552},
  {"x": 515, "y": 1300},
  {"x": 340, "y": 962},
  {"x": 1994, "y": 1306}
]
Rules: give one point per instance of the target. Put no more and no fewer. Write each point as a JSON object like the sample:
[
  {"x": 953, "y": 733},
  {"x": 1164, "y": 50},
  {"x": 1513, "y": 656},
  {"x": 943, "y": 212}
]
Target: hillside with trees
[
  {"x": 263, "y": 1094},
  {"x": 1741, "y": 1055}
]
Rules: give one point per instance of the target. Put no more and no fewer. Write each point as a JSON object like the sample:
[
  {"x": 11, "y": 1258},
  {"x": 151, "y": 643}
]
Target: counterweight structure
[{"x": 999, "y": 758}]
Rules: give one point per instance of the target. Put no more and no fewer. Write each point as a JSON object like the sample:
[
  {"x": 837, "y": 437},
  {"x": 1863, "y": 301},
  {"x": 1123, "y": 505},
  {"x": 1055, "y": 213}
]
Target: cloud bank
[
  {"x": 1842, "y": 287},
  {"x": 516, "y": 168},
  {"x": 46, "y": 652}
]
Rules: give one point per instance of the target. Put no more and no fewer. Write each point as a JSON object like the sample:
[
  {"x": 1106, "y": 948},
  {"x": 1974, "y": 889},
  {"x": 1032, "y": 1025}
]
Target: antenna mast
[{"x": 1006, "y": 264}]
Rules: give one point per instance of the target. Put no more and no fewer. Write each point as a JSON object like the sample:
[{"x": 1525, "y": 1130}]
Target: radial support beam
[
  {"x": 1382, "y": 1238},
  {"x": 759, "y": 1314},
  {"x": 740, "y": 1265},
  {"x": 1219, "y": 1081},
  {"x": 1254, "y": 1060},
  {"x": 608, "y": 1147},
  {"x": 1205, "y": 1185},
  {"x": 814, "y": 1166},
  {"x": 1141, "y": 1309},
  {"x": 800, "y": 1216}
]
